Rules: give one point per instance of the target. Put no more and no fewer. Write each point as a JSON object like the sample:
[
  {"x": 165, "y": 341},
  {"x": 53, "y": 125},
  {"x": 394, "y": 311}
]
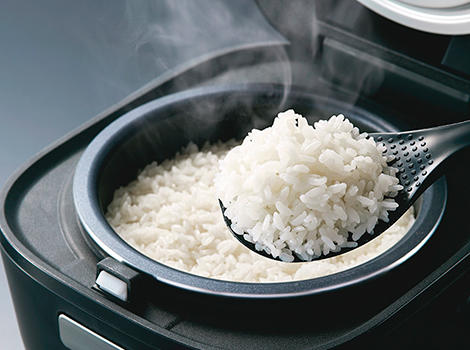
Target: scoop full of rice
[{"x": 297, "y": 188}]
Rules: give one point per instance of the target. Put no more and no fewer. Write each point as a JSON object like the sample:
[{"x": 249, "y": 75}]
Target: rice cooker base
[{"x": 45, "y": 251}]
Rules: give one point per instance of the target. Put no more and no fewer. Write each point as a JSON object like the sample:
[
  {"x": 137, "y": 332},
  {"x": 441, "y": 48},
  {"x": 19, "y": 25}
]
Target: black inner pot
[{"x": 158, "y": 129}]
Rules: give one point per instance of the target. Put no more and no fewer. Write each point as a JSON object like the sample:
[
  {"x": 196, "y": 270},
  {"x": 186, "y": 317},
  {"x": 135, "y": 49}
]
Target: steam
[
  {"x": 203, "y": 43},
  {"x": 200, "y": 43},
  {"x": 320, "y": 60},
  {"x": 224, "y": 42},
  {"x": 179, "y": 35},
  {"x": 180, "y": 44},
  {"x": 345, "y": 66}
]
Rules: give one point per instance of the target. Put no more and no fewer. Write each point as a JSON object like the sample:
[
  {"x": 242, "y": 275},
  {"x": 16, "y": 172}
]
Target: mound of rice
[
  {"x": 297, "y": 188},
  {"x": 171, "y": 214}
]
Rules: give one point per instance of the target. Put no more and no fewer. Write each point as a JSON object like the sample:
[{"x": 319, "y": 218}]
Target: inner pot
[{"x": 157, "y": 130}]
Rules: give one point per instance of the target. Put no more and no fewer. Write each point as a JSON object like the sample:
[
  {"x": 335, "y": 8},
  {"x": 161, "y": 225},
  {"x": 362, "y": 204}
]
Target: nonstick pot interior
[{"x": 157, "y": 130}]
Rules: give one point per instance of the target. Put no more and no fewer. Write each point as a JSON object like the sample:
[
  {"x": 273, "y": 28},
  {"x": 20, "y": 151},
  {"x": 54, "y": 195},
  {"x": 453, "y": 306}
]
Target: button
[
  {"x": 112, "y": 285},
  {"x": 76, "y": 336}
]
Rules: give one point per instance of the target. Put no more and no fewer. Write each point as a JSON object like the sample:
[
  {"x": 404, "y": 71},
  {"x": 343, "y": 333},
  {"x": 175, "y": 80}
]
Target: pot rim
[{"x": 85, "y": 196}]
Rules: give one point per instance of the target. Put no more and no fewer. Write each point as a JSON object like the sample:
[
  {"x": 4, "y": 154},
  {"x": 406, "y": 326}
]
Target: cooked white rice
[
  {"x": 297, "y": 188},
  {"x": 171, "y": 214}
]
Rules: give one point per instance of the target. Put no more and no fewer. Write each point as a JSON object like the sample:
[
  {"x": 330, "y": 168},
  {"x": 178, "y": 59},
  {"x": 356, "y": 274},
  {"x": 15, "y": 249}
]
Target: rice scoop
[{"x": 297, "y": 188}]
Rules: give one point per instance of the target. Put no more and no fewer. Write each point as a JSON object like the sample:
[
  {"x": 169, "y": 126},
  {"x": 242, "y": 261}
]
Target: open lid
[{"x": 451, "y": 17}]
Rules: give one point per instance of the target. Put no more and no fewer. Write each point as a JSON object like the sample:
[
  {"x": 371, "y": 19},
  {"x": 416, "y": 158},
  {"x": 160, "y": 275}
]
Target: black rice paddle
[{"x": 416, "y": 154}]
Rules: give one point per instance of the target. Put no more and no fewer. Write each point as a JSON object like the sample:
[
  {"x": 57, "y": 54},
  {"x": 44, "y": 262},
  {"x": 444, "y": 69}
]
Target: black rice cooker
[
  {"x": 57, "y": 242},
  {"x": 75, "y": 284}
]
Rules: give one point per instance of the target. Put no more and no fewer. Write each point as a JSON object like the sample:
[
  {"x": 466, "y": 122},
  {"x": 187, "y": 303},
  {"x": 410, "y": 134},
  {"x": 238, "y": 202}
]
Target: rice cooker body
[
  {"x": 158, "y": 129},
  {"x": 51, "y": 268}
]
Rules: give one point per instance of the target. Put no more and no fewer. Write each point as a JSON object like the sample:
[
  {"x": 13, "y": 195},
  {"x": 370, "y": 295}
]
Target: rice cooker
[{"x": 75, "y": 284}]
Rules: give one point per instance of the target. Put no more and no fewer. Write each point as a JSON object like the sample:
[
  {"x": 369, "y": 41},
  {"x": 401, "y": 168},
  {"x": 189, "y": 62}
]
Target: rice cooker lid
[{"x": 450, "y": 17}]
